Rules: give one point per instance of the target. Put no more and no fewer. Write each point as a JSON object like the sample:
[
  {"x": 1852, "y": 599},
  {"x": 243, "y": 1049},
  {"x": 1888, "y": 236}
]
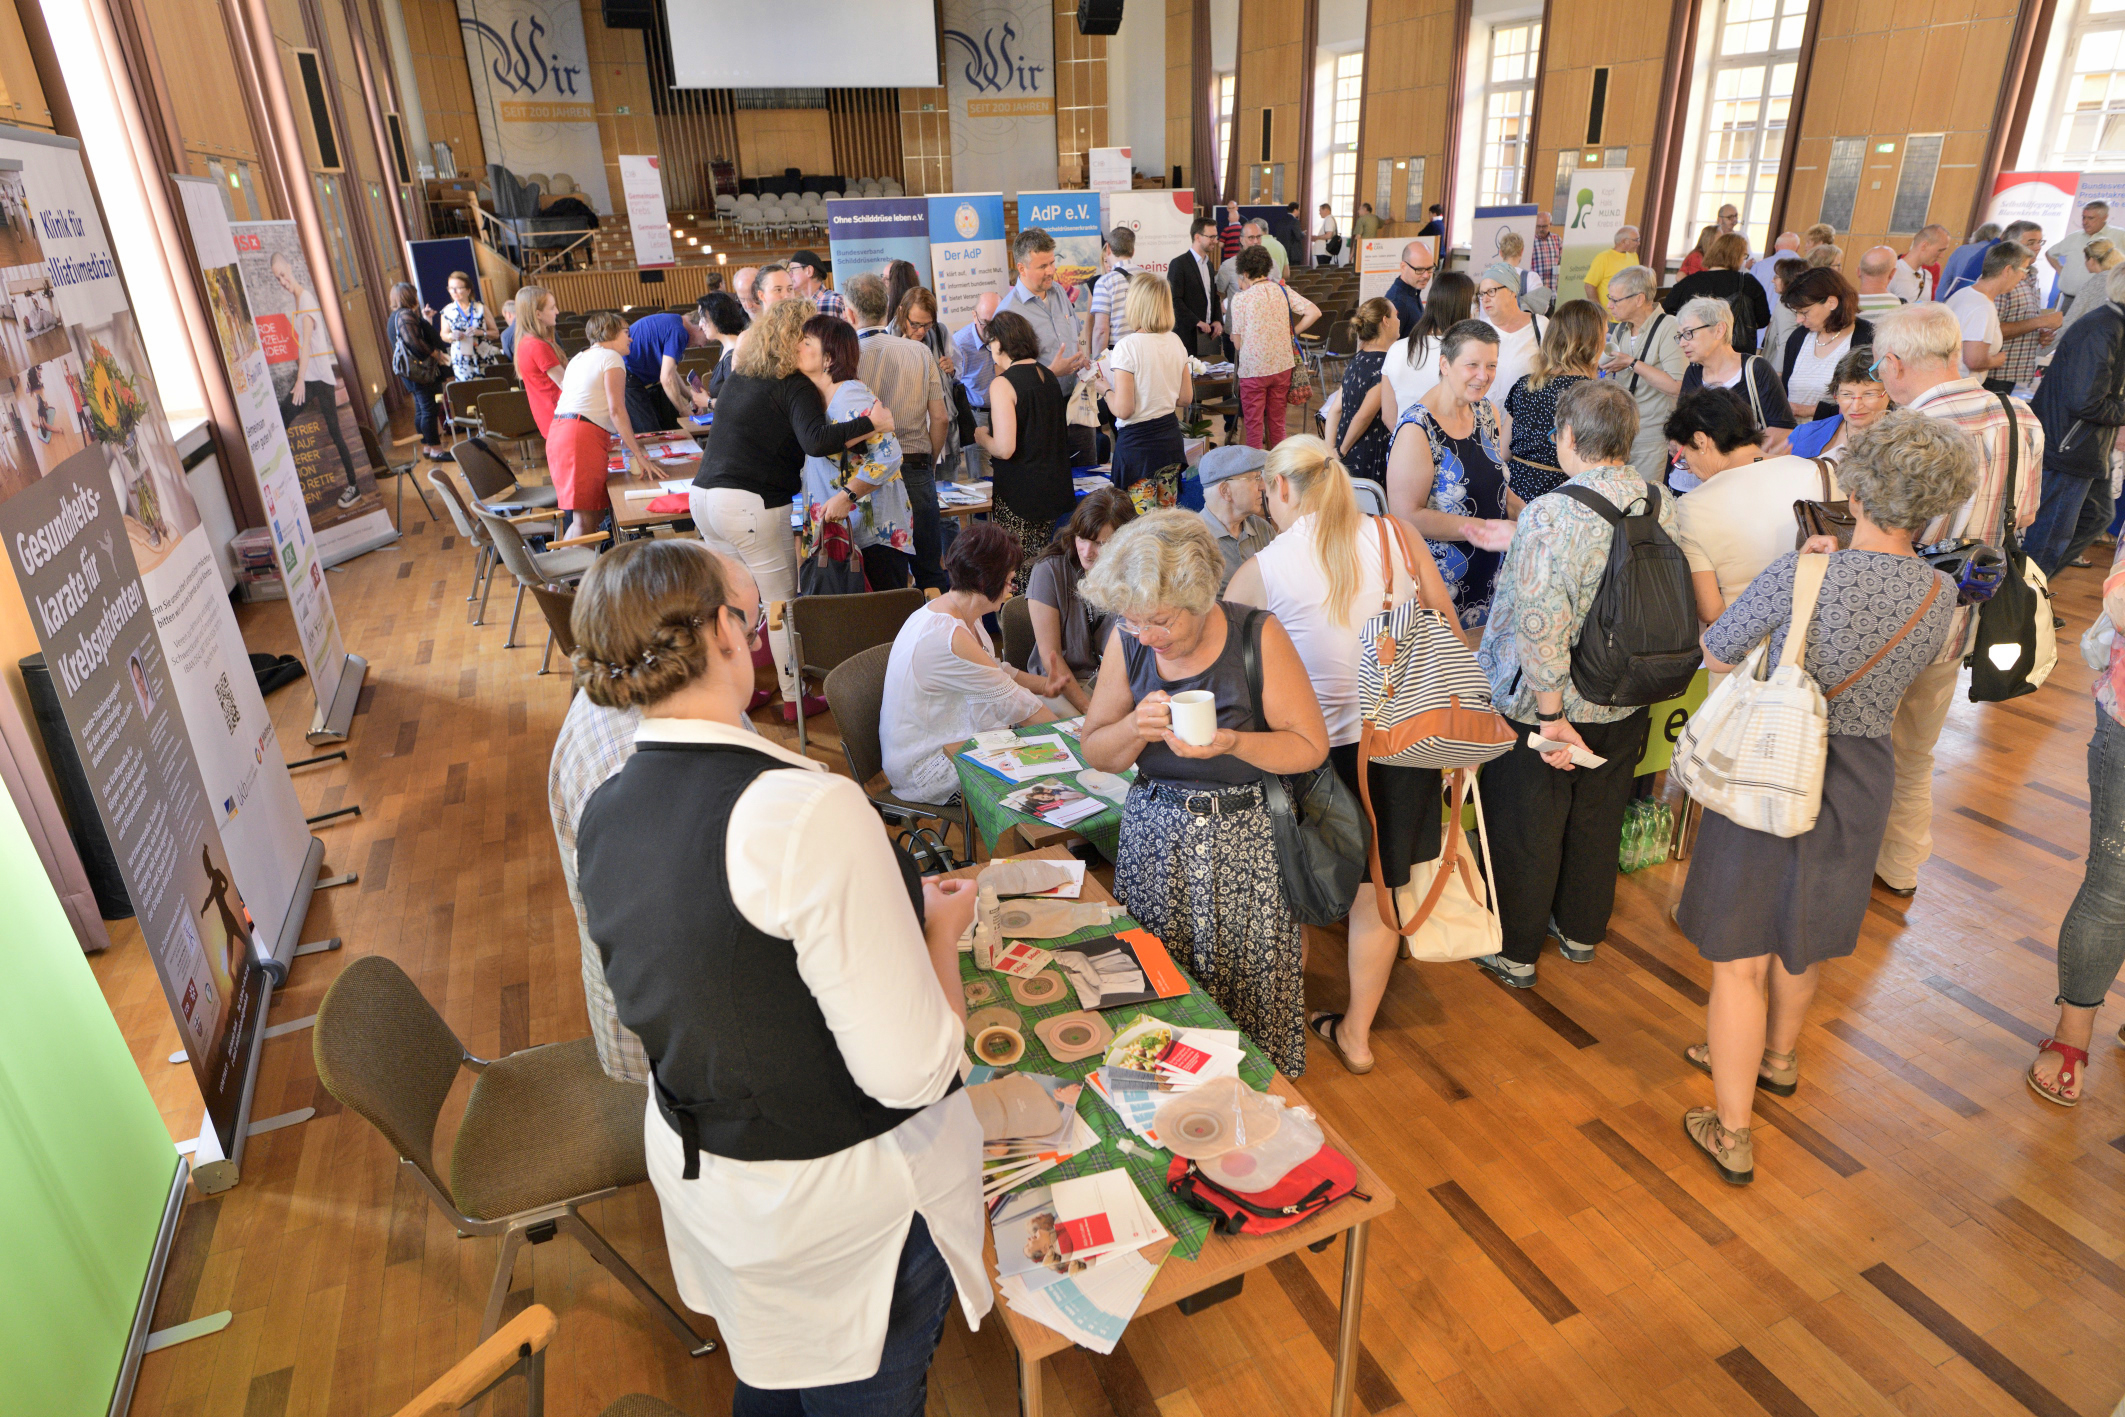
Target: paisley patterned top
[
  {"x": 1545, "y": 589},
  {"x": 1866, "y": 598},
  {"x": 1468, "y": 480}
]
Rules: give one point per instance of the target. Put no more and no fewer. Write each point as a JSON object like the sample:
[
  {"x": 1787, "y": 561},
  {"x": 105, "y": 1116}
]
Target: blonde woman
[
  {"x": 2101, "y": 257},
  {"x": 1198, "y": 859},
  {"x": 590, "y": 411},
  {"x": 1330, "y": 568},
  {"x": 1150, "y": 385},
  {"x": 538, "y": 360},
  {"x": 1570, "y": 353},
  {"x": 769, "y": 418}
]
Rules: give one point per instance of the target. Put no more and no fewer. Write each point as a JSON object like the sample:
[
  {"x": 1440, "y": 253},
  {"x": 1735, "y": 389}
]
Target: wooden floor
[{"x": 1924, "y": 1237}]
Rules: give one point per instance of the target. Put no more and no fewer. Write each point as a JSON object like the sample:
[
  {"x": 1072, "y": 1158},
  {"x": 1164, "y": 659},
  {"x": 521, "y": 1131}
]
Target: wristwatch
[{"x": 1541, "y": 717}]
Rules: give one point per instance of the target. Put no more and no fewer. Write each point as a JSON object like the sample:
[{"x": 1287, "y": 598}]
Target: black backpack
[{"x": 1638, "y": 644}]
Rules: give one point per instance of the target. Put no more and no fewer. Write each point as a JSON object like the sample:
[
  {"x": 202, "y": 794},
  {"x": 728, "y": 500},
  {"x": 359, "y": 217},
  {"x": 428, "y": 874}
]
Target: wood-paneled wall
[
  {"x": 446, "y": 85},
  {"x": 1631, "y": 42},
  {"x": 771, "y": 139},
  {"x": 620, "y": 96},
  {"x": 1885, "y": 70},
  {"x": 21, "y": 96},
  {"x": 925, "y": 141},
  {"x": 866, "y": 129},
  {"x": 1409, "y": 80},
  {"x": 1080, "y": 95},
  {"x": 1274, "y": 73},
  {"x": 1182, "y": 95}
]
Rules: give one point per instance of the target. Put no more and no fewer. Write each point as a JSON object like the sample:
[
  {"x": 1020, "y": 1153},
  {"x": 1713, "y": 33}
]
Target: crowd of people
[{"x": 1506, "y": 446}]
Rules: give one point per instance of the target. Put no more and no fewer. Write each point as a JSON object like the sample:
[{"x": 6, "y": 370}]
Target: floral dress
[
  {"x": 1368, "y": 456},
  {"x": 1468, "y": 480},
  {"x": 884, "y": 517},
  {"x": 465, "y": 329}
]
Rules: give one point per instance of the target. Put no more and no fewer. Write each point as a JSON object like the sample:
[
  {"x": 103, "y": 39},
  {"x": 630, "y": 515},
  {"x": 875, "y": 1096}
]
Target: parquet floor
[{"x": 1924, "y": 1237}]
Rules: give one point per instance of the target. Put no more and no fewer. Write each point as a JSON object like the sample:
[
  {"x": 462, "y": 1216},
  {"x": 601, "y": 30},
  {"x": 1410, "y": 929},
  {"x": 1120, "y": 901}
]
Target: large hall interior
[{"x": 1076, "y": 708}]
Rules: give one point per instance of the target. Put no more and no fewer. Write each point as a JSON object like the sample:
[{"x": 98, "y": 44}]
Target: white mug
[{"x": 1194, "y": 716}]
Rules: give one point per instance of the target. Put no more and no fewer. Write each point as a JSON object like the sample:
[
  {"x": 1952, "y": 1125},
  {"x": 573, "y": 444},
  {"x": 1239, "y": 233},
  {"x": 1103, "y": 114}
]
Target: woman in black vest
[
  {"x": 798, "y": 998},
  {"x": 1028, "y": 454}
]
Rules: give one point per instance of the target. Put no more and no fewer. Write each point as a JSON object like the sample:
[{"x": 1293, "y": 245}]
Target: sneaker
[
  {"x": 1513, "y": 976},
  {"x": 349, "y": 497},
  {"x": 1571, "y": 949}
]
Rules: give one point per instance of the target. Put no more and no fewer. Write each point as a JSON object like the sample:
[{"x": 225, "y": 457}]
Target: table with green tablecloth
[{"x": 984, "y": 792}]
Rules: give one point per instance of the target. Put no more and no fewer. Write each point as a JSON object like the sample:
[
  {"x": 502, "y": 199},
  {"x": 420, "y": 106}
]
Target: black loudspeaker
[
  {"x": 629, "y": 14},
  {"x": 1099, "y": 16},
  {"x": 84, "y": 822}
]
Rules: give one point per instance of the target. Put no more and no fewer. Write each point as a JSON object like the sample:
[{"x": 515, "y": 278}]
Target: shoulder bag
[
  {"x": 1832, "y": 516},
  {"x": 2017, "y": 645},
  {"x": 1755, "y": 752},
  {"x": 1321, "y": 836},
  {"x": 1301, "y": 391},
  {"x": 1423, "y": 700},
  {"x": 1447, "y": 912}
]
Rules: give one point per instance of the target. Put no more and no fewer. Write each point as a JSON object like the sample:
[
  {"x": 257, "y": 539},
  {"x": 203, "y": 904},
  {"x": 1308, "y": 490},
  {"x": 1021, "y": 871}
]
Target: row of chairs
[{"x": 491, "y": 512}]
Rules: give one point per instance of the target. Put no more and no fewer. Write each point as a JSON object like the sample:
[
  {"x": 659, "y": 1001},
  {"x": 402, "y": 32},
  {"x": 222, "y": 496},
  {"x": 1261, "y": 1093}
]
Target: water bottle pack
[{"x": 1648, "y": 827}]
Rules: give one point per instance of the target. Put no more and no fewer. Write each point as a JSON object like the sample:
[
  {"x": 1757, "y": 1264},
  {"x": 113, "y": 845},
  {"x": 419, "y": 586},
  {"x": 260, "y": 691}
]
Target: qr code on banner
[{"x": 230, "y": 714}]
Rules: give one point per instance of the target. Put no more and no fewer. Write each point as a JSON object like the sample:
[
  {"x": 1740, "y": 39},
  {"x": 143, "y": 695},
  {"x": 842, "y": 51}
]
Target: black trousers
[
  {"x": 649, "y": 409},
  {"x": 323, "y": 397},
  {"x": 1554, "y": 835}
]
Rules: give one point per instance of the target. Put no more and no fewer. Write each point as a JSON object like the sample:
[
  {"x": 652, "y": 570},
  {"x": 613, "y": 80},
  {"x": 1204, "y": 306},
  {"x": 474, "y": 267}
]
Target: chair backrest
[
  {"x": 486, "y": 471},
  {"x": 855, "y": 694},
  {"x": 374, "y": 447},
  {"x": 507, "y": 414},
  {"x": 1342, "y": 338},
  {"x": 385, "y": 1053},
  {"x": 1016, "y": 617},
  {"x": 558, "y": 605},
  {"x": 1372, "y": 497},
  {"x": 462, "y": 395},
  {"x": 454, "y": 504},
  {"x": 834, "y": 628},
  {"x": 509, "y": 545}
]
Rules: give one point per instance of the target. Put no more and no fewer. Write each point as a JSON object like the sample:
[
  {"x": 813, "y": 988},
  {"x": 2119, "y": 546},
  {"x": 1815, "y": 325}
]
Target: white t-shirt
[
  {"x": 1408, "y": 382},
  {"x": 1516, "y": 355},
  {"x": 935, "y": 700},
  {"x": 1157, "y": 362},
  {"x": 1296, "y": 587},
  {"x": 1913, "y": 284},
  {"x": 1813, "y": 372},
  {"x": 583, "y": 386},
  {"x": 1980, "y": 319},
  {"x": 1742, "y": 520}
]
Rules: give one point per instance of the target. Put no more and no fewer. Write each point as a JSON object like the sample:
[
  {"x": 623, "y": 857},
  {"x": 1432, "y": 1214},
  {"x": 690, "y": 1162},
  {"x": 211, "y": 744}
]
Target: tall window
[
  {"x": 2089, "y": 129},
  {"x": 1343, "y": 137},
  {"x": 1753, "y": 67},
  {"x": 1508, "y": 112},
  {"x": 1225, "y": 89}
]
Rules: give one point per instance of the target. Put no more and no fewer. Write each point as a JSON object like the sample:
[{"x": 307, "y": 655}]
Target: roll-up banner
[
  {"x": 530, "y": 73},
  {"x": 338, "y": 483},
  {"x": 2050, "y": 199},
  {"x": 864, "y": 235},
  {"x": 1160, "y": 220},
  {"x": 279, "y": 479},
  {"x": 1072, "y": 218},
  {"x": 647, "y": 220},
  {"x": 999, "y": 58},
  {"x": 1380, "y": 261},
  {"x": 143, "y": 648},
  {"x": 1599, "y": 200},
  {"x": 967, "y": 253},
  {"x": 1494, "y": 224}
]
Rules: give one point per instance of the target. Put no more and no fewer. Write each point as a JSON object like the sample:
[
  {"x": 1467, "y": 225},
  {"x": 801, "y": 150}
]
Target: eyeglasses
[
  {"x": 1136, "y": 628},
  {"x": 1418, "y": 270},
  {"x": 1692, "y": 332},
  {"x": 756, "y": 629},
  {"x": 1874, "y": 370},
  {"x": 1861, "y": 393},
  {"x": 1485, "y": 292}
]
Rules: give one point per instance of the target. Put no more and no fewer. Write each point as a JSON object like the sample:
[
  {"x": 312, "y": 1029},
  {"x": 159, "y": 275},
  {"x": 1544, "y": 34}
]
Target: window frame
[
  {"x": 1785, "y": 20},
  {"x": 1492, "y": 187},
  {"x": 2088, "y": 22}
]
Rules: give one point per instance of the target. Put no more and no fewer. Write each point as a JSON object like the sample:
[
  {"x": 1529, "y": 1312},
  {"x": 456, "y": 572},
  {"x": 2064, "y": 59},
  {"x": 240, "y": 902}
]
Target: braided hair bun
[{"x": 643, "y": 619}]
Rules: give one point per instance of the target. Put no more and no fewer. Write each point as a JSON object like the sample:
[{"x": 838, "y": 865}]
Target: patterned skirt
[
  {"x": 1033, "y": 537},
  {"x": 1208, "y": 886}
]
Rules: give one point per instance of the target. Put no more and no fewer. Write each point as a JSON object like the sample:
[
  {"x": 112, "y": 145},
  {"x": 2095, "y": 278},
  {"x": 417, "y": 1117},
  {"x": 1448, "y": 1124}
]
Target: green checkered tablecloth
[
  {"x": 1147, "y": 1168},
  {"x": 984, "y": 792}
]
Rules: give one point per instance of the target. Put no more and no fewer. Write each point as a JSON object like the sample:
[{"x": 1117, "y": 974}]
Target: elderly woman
[
  {"x": 1826, "y": 308},
  {"x": 1519, "y": 332},
  {"x": 1724, "y": 278},
  {"x": 1861, "y": 401},
  {"x": 1740, "y": 519},
  {"x": 1446, "y": 473},
  {"x": 818, "y": 1166},
  {"x": 943, "y": 681},
  {"x": 1647, "y": 361},
  {"x": 2100, "y": 257},
  {"x": 1198, "y": 863},
  {"x": 588, "y": 414},
  {"x": 1411, "y": 367},
  {"x": 1330, "y": 569},
  {"x": 1752, "y": 898},
  {"x": 1705, "y": 328},
  {"x": 1066, "y": 631}
]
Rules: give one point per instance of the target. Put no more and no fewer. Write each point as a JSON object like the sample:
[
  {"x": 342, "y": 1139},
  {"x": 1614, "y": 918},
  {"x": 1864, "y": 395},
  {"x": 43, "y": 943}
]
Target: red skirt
[{"x": 576, "y": 454}]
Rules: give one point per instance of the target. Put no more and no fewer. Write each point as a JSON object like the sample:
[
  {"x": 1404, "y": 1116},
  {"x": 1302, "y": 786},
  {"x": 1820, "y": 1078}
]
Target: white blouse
[
  {"x": 796, "y": 1260},
  {"x": 1409, "y": 382},
  {"x": 1157, "y": 362},
  {"x": 935, "y": 700},
  {"x": 583, "y": 386},
  {"x": 1813, "y": 372},
  {"x": 1295, "y": 584}
]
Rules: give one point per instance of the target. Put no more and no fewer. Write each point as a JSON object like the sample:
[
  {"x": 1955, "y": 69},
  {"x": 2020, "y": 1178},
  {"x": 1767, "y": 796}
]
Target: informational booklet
[
  {"x": 1021, "y": 960},
  {"x": 962, "y": 494},
  {"x": 1137, "y": 1107},
  {"x": 1026, "y": 759},
  {"x": 1100, "y": 1214},
  {"x": 671, "y": 449},
  {"x": 1196, "y": 1055},
  {"x": 1056, "y": 803},
  {"x": 1129, "y": 968},
  {"x": 1090, "y": 1308}
]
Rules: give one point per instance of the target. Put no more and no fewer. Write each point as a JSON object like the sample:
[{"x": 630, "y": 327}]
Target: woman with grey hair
[
  {"x": 1705, "y": 328},
  {"x": 1198, "y": 861},
  {"x": 1882, "y": 616}
]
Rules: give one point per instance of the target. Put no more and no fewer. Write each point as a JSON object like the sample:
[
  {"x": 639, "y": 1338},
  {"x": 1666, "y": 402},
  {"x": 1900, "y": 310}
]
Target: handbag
[
  {"x": 1306, "y": 1189},
  {"x": 1423, "y": 700},
  {"x": 1451, "y": 912},
  {"x": 1828, "y": 517},
  {"x": 1755, "y": 752},
  {"x": 1083, "y": 409},
  {"x": 2016, "y": 645},
  {"x": 835, "y": 566},
  {"x": 1301, "y": 391},
  {"x": 1322, "y": 839}
]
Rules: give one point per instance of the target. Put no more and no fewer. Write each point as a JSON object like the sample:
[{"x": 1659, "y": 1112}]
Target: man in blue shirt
[
  {"x": 976, "y": 371},
  {"x": 655, "y": 391},
  {"x": 1406, "y": 291},
  {"x": 1040, "y": 298},
  {"x": 1966, "y": 263}
]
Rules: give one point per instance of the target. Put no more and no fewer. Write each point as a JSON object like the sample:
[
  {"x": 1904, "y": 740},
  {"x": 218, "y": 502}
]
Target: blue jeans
[
  {"x": 920, "y": 478},
  {"x": 922, "y": 1292},
  {"x": 2049, "y": 535},
  {"x": 2092, "y": 936},
  {"x": 424, "y": 413},
  {"x": 2094, "y": 520}
]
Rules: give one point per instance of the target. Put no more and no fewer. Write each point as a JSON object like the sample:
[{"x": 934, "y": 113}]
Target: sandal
[
  {"x": 2069, "y": 1073},
  {"x": 1770, "y": 1077},
  {"x": 1323, "y": 1027},
  {"x": 1731, "y": 1150}
]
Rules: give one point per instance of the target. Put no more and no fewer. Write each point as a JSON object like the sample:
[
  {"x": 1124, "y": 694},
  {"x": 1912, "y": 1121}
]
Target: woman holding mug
[
  {"x": 469, "y": 329},
  {"x": 1198, "y": 863}
]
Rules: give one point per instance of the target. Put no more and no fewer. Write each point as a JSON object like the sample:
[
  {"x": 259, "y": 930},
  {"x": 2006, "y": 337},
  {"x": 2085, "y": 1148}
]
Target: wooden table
[
  {"x": 632, "y": 514},
  {"x": 1227, "y": 1258}
]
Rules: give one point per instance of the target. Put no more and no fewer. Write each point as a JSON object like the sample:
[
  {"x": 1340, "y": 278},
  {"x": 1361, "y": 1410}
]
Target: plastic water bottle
[
  {"x": 1629, "y": 847},
  {"x": 1663, "y": 832}
]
